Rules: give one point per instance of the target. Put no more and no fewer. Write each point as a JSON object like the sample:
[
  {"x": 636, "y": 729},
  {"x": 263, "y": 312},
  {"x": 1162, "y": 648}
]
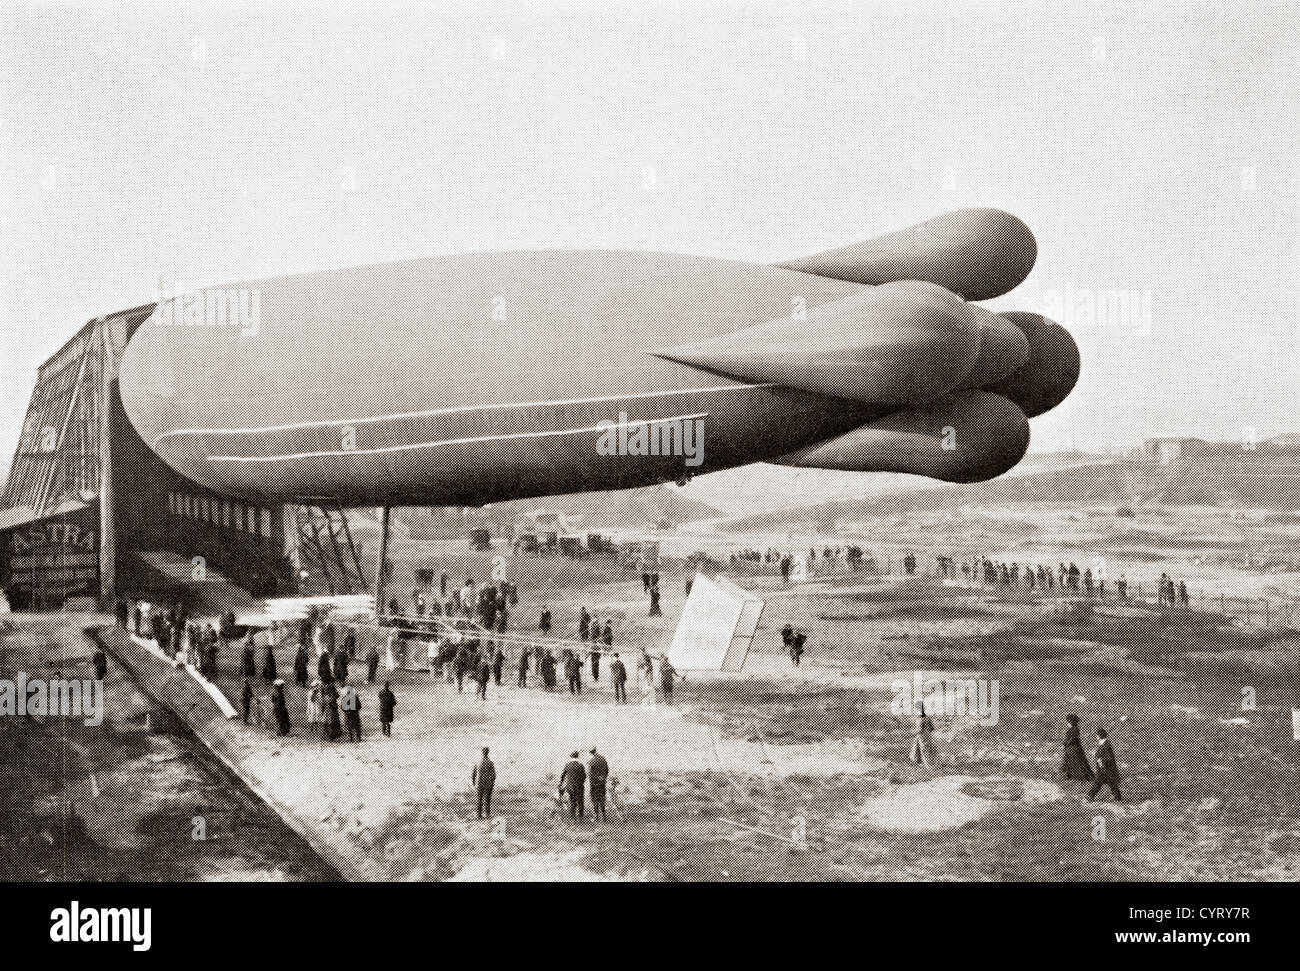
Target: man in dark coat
[
  {"x": 572, "y": 783},
  {"x": 350, "y": 702},
  {"x": 387, "y": 706},
  {"x": 573, "y": 672},
  {"x": 597, "y": 774},
  {"x": 341, "y": 661},
  {"x": 498, "y": 662},
  {"x": 667, "y": 678},
  {"x": 372, "y": 664},
  {"x": 524, "y": 656},
  {"x": 268, "y": 663},
  {"x": 483, "y": 778},
  {"x": 548, "y": 671},
  {"x": 654, "y": 603},
  {"x": 325, "y": 669},
  {"x": 246, "y": 699},
  {"x": 595, "y": 664},
  {"x": 483, "y": 675},
  {"x": 584, "y": 624},
  {"x": 300, "y": 661},
  {"x": 1107, "y": 769},
  {"x": 618, "y": 673},
  {"x": 544, "y": 625},
  {"x": 248, "y": 662}
]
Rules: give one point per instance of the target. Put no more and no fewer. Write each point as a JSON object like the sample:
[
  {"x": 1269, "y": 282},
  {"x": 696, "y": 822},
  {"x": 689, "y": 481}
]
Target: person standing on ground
[
  {"x": 923, "y": 741},
  {"x": 246, "y": 699},
  {"x": 300, "y": 666},
  {"x": 330, "y": 702},
  {"x": 280, "y": 708},
  {"x": 544, "y": 624},
  {"x": 667, "y": 678},
  {"x": 618, "y": 674},
  {"x": 498, "y": 662},
  {"x": 372, "y": 663},
  {"x": 524, "y": 656},
  {"x": 595, "y": 663},
  {"x": 315, "y": 709},
  {"x": 1107, "y": 768},
  {"x": 483, "y": 675},
  {"x": 483, "y": 778},
  {"x": 387, "y": 706},
  {"x": 350, "y": 702},
  {"x": 573, "y": 672},
  {"x": 597, "y": 774},
  {"x": 654, "y": 603},
  {"x": 572, "y": 783}
]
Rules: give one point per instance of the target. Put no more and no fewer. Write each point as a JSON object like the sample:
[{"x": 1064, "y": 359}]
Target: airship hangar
[{"x": 471, "y": 379}]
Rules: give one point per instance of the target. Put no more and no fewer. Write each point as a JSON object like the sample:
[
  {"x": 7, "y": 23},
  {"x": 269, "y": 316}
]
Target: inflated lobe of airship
[{"x": 462, "y": 380}]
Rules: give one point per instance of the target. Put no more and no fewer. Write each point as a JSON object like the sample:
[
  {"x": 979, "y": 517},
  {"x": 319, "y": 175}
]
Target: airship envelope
[{"x": 476, "y": 378}]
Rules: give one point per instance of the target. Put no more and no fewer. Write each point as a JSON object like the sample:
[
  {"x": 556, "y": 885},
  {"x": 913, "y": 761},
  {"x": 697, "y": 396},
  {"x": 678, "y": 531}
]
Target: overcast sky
[{"x": 1153, "y": 151}]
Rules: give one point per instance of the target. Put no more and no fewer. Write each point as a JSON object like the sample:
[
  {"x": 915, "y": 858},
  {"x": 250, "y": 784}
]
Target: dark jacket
[
  {"x": 1107, "y": 769},
  {"x": 387, "y": 704},
  {"x": 323, "y": 669},
  {"x": 573, "y": 777},
  {"x": 597, "y": 772},
  {"x": 618, "y": 672},
  {"x": 484, "y": 775}
]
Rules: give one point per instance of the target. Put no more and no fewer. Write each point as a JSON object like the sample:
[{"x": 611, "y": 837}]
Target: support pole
[{"x": 383, "y": 557}]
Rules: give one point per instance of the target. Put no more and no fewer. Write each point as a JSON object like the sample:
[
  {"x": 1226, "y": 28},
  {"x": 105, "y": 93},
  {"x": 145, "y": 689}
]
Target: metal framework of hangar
[{"x": 89, "y": 512}]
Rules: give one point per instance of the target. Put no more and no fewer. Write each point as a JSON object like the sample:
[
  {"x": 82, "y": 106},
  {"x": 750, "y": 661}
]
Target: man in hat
[
  {"x": 597, "y": 774},
  {"x": 572, "y": 781},
  {"x": 483, "y": 778},
  {"x": 1107, "y": 768},
  {"x": 350, "y": 702},
  {"x": 618, "y": 674},
  {"x": 387, "y": 705}
]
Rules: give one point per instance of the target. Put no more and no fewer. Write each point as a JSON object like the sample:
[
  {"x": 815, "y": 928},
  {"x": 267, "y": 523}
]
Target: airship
[{"x": 477, "y": 378}]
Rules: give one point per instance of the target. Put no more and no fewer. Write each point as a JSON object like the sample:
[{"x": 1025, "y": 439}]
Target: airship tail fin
[
  {"x": 963, "y": 437},
  {"x": 976, "y": 253}
]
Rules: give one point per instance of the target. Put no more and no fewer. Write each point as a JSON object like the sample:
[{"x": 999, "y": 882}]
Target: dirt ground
[
  {"x": 118, "y": 801},
  {"x": 802, "y": 773}
]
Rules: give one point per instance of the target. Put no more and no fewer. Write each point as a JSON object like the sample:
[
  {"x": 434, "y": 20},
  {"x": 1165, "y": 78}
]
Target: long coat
[{"x": 1074, "y": 761}]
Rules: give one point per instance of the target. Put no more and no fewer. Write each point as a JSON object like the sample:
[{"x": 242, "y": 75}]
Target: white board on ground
[{"x": 717, "y": 626}]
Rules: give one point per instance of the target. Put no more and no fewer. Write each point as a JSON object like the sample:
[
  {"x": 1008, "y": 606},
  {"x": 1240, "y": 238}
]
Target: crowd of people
[{"x": 1065, "y": 577}]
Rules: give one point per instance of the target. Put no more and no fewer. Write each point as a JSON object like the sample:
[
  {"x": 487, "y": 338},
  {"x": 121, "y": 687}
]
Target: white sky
[{"x": 1152, "y": 148}]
